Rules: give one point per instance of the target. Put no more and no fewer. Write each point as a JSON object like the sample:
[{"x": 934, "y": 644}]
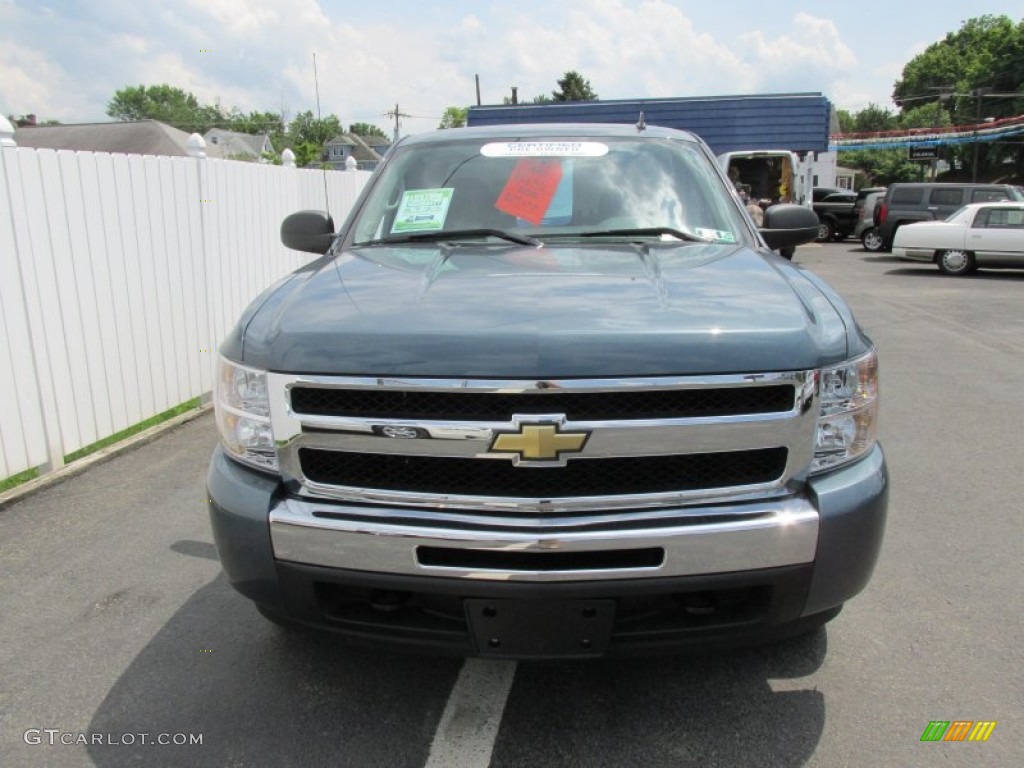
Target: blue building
[{"x": 798, "y": 122}]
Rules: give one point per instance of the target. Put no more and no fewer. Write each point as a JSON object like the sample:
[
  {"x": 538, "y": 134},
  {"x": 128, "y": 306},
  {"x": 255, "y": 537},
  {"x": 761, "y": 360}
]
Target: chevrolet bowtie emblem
[{"x": 539, "y": 442}]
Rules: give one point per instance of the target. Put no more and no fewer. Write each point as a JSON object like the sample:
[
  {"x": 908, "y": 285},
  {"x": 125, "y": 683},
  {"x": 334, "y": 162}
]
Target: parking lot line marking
[{"x": 469, "y": 725}]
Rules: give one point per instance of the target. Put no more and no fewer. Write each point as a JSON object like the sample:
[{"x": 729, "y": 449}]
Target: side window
[
  {"x": 910, "y": 196},
  {"x": 945, "y": 197},
  {"x": 1000, "y": 218},
  {"x": 988, "y": 196}
]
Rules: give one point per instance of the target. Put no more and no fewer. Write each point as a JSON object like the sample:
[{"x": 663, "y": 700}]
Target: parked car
[
  {"x": 862, "y": 196},
  {"x": 549, "y": 393},
  {"x": 866, "y": 231},
  {"x": 933, "y": 201},
  {"x": 835, "y": 212},
  {"x": 987, "y": 235}
]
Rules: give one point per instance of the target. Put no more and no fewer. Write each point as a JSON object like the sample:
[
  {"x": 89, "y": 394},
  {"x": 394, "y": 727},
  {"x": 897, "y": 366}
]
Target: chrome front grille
[{"x": 652, "y": 442}]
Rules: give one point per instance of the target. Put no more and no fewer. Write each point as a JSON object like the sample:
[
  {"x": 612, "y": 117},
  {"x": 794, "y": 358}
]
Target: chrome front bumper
[{"x": 693, "y": 541}]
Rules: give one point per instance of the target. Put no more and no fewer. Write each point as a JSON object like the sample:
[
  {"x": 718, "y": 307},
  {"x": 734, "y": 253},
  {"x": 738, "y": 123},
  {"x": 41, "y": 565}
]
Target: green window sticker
[{"x": 422, "y": 210}]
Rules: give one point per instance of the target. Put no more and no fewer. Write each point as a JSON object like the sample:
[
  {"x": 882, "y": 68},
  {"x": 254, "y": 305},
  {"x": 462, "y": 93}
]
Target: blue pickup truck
[{"x": 548, "y": 392}]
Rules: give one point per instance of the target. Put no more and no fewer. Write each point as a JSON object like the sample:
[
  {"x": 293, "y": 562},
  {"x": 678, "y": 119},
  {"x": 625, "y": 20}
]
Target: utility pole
[
  {"x": 977, "y": 93},
  {"x": 396, "y": 114},
  {"x": 944, "y": 92}
]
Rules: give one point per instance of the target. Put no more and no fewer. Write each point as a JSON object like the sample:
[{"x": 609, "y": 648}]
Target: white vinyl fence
[{"x": 119, "y": 276}]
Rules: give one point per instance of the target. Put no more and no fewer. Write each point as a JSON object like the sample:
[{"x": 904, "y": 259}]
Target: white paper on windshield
[
  {"x": 544, "y": 149},
  {"x": 422, "y": 210},
  {"x": 717, "y": 235}
]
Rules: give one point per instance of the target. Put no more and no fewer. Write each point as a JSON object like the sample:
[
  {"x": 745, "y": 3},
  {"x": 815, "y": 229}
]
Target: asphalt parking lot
[{"x": 118, "y": 623}]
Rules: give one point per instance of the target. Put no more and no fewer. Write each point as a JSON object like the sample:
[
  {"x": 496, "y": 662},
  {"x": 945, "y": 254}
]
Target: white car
[{"x": 977, "y": 235}]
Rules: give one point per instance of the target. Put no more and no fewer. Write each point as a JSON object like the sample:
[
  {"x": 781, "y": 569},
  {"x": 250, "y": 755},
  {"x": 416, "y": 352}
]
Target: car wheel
[
  {"x": 787, "y": 253},
  {"x": 955, "y": 262},
  {"x": 825, "y": 231},
  {"x": 871, "y": 239}
]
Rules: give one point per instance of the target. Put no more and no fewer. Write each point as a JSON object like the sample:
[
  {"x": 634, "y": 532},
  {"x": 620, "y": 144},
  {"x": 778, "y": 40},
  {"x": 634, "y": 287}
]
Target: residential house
[
  {"x": 846, "y": 178},
  {"x": 368, "y": 151},
  {"x": 232, "y": 145},
  {"x": 137, "y": 137}
]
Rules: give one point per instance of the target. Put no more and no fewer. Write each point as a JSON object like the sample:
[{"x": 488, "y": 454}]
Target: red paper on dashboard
[{"x": 530, "y": 188}]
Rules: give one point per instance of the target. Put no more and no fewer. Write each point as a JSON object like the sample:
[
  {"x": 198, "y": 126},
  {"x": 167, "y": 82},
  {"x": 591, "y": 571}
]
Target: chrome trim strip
[
  {"x": 792, "y": 429},
  {"x": 542, "y": 386},
  {"x": 762, "y": 536}
]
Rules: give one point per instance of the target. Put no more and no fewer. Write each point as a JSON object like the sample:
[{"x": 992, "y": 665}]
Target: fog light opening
[{"x": 387, "y": 600}]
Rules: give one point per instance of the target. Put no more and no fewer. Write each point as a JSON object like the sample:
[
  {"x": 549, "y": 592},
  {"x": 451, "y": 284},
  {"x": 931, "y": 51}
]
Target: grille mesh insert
[
  {"x": 577, "y": 406},
  {"x": 579, "y": 478}
]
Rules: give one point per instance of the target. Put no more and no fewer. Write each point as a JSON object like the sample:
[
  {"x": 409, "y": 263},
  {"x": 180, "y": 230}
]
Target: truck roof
[{"x": 538, "y": 130}]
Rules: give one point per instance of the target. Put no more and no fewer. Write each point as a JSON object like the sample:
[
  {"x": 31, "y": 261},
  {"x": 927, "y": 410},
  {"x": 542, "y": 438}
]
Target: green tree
[
  {"x": 308, "y": 154},
  {"x": 845, "y": 118},
  {"x": 307, "y": 128},
  {"x": 887, "y": 166},
  {"x": 986, "y": 52},
  {"x": 165, "y": 103},
  {"x": 366, "y": 129},
  {"x": 454, "y": 117},
  {"x": 874, "y": 118},
  {"x": 573, "y": 87}
]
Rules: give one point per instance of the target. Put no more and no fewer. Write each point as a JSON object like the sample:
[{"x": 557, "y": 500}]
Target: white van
[{"x": 773, "y": 175}]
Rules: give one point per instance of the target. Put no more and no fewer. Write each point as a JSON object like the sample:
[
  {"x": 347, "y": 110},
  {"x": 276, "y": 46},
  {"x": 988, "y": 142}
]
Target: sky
[{"x": 64, "y": 60}]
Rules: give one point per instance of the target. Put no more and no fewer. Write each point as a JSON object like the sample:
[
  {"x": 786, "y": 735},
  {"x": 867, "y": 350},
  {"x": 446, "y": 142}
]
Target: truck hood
[{"x": 560, "y": 311}]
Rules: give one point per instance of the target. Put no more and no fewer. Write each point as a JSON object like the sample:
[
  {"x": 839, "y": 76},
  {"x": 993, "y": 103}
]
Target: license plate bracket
[{"x": 524, "y": 629}]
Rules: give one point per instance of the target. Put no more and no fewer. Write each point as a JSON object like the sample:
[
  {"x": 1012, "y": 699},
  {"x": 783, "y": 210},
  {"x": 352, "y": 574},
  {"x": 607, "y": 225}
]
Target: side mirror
[
  {"x": 788, "y": 225},
  {"x": 310, "y": 231}
]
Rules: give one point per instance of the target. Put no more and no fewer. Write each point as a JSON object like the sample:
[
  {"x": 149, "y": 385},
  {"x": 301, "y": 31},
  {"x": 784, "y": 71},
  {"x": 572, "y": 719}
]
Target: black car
[{"x": 836, "y": 215}]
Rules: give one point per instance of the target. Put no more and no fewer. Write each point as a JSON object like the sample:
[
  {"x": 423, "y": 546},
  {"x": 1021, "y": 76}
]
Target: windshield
[
  {"x": 960, "y": 215},
  {"x": 614, "y": 187}
]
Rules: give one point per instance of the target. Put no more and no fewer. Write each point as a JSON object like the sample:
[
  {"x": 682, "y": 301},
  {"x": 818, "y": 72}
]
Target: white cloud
[
  {"x": 815, "y": 47},
  {"x": 624, "y": 50},
  {"x": 368, "y": 61},
  {"x": 31, "y": 82}
]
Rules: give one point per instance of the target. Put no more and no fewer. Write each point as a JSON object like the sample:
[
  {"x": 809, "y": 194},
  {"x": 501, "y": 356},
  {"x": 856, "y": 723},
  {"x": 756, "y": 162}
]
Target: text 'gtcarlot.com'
[{"x": 54, "y": 736}]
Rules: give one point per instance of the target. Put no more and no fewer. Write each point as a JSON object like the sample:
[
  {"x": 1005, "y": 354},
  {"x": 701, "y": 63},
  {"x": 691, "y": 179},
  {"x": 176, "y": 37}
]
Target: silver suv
[{"x": 866, "y": 231}]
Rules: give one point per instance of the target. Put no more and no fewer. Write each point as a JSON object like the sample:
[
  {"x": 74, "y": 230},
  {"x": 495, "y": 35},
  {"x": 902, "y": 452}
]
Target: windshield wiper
[
  {"x": 644, "y": 232},
  {"x": 454, "y": 234}
]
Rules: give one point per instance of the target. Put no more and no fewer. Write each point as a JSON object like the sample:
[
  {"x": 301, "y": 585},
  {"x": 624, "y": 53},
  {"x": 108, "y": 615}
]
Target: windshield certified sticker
[
  {"x": 422, "y": 210},
  {"x": 716, "y": 235},
  {"x": 544, "y": 149}
]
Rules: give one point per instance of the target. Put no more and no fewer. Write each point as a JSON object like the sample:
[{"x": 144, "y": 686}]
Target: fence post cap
[
  {"x": 288, "y": 158},
  {"x": 196, "y": 146},
  {"x": 6, "y": 133},
  {"x": 350, "y": 163}
]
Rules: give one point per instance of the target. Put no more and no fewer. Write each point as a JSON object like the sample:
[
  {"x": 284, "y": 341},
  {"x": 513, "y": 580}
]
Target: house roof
[
  {"x": 140, "y": 137},
  {"x": 364, "y": 148},
  {"x": 376, "y": 141},
  {"x": 341, "y": 140},
  {"x": 228, "y": 144}
]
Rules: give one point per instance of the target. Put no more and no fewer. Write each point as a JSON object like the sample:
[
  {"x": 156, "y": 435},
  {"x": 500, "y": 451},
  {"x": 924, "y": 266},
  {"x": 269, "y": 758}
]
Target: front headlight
[
  {"x": 848, "y": 423},
  {"x": 243, "y": 415}
]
